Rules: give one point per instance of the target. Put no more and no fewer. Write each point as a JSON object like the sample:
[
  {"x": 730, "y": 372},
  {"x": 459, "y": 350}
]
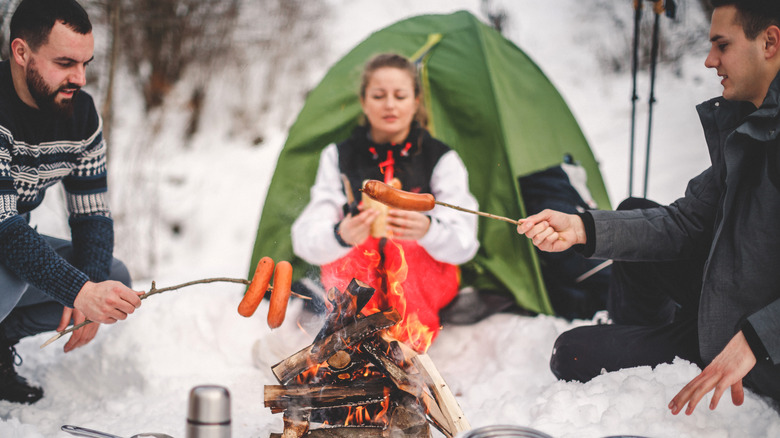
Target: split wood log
[
  {"x": 347, "y": 337},
  {"x": 340, "y": 360},
  {"x": 404, "y": 381},
  {"x": 296, "y": 423},
  {"x": 442, "y": 394},
  {"x": 346, "y": 306},
  {"x": 450, "y": 420},
  {"x": 408, "y": 420},
  {"x": 342, "y": 432},
  {"x": 308, "y": 397}
]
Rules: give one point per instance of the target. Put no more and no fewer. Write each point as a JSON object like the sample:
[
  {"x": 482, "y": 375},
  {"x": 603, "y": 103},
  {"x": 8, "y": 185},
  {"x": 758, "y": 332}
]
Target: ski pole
[{"x": 634, "y": 97}]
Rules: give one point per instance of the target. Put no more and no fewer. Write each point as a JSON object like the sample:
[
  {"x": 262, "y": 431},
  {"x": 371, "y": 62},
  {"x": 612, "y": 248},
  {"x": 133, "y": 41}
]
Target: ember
[{"x": 357, "y": 380}]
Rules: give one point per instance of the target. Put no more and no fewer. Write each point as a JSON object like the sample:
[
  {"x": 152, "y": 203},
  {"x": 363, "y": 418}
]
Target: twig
[
  {"x": 154, "y": 291},
  {"x": 480, "y": 213}
]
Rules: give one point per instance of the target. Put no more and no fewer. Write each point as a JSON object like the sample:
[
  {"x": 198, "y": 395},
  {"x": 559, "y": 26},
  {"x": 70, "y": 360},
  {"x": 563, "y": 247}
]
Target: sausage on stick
[
  {"x": 280, "y": 294},
  {"x": 257, "y": 288},
  {"x": 403, "y": 200}
]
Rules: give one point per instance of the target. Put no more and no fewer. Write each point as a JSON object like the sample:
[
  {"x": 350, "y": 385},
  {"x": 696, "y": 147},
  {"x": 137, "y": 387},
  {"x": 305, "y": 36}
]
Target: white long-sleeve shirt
[{"x": 451, "y": 238}]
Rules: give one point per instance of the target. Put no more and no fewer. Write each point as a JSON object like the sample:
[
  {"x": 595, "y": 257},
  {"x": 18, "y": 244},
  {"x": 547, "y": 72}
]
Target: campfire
[{"x": 357, "y": 380}]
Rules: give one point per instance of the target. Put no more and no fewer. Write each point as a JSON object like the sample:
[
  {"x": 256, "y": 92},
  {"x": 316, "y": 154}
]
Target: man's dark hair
[
  {"x": 753, "y": 15},
  {"x": 34, "y": 19}
]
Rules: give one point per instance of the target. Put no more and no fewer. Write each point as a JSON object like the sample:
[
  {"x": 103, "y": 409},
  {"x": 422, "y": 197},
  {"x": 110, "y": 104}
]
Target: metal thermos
[{"x": 208, "y": 415}]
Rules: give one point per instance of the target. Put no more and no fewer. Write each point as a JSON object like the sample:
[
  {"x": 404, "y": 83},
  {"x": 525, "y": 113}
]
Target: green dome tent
[{"x": 486, "y": 99}]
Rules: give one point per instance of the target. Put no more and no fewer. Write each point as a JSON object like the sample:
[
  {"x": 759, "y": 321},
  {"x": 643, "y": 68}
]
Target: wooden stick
[
  {"x": 154, "y": 291},
  {"x": 480, "y": 213}
]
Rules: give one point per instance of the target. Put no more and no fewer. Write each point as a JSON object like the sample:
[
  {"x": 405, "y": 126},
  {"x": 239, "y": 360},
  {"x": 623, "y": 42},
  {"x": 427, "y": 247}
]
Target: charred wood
[
  {"x": 296, "y": 423},
  {"x": 308, "y": 397},
  {"x": 351, "y": 335},
  {"x": 346, "y": 307}
]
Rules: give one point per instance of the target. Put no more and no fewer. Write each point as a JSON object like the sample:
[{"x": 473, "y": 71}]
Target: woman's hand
[
  {"x": 407, "y": 225},
  {"x": 355, "y": 229}
]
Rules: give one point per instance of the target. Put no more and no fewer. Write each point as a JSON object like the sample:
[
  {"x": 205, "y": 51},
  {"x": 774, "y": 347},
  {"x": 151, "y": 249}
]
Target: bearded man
[{"x": 50, "y": 132}]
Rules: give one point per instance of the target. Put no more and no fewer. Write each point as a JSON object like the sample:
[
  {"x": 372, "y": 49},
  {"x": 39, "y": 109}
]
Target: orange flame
[
  {"x": 410, "y": 329},
  {"x": 363, "y": 414}
]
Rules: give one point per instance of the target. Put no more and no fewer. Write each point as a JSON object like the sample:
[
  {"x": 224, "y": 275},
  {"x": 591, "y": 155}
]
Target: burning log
[
  {"x": 444, "y": 398},
  {"x": 342, "y": 432},
  {"x": 340, "y": 360},
  {"x": 346, "y": 337},
  {"x": 296, "y": 423},
  {"x": 413, "y": 384},
  {"x": 346, "y": 307},
  {"x": 403, "y": 380},
  {"x": 308, "y": 397}
]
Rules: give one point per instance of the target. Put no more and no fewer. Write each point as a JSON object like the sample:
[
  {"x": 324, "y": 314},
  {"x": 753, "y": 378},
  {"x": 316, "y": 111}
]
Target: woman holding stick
[{"x": 410, "y": 258}]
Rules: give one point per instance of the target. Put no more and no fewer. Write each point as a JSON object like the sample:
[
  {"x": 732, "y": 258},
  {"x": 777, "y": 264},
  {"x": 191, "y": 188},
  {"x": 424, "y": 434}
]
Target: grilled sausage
[
  {"x": 256, "y": 290},
  {"x": 280, "y": 294},
  {"x": 399, "y": 199}
]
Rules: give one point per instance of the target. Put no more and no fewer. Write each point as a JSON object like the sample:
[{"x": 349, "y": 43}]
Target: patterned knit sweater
[{"x": 38, "y": 150}]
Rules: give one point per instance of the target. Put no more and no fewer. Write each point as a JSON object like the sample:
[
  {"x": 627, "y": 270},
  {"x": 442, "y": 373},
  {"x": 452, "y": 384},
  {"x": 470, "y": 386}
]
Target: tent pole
[
  {"x": 634, "y": 97},
  {"x": 651, "y": 100}
]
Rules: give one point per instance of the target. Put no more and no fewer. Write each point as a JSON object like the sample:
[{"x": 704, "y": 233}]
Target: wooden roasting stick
[
  {"x": 402, "y": 200},
  {"x": 154, "y": 291}
]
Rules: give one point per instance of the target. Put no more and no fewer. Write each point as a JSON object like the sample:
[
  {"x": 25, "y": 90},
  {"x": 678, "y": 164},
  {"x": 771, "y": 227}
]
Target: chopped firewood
[
  {"x": 404, "y": 381},
  {"x": 444, "y": 420},
  {"x": 362, "y": 293},
  {"x": 346, "y": 307},
  {"x": 307, "y": 397},
  {"x": 340, "y": 360},
  {"x": 287, "y": 369},
  {"x": 296, "y": 423},
  {"x": 343, "y": 432},
  {"x": 408, "y": 420},
  {"x": 442, "y": 394}
]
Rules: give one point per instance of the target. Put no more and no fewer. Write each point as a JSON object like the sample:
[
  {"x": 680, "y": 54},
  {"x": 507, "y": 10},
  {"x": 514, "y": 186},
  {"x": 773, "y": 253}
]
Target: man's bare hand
[
  {"x": 107, "y": 302},
  {"x": 81, "y": 336},
  {"x": 726, "y": 371},
  {"x": 553, "y": 231}
]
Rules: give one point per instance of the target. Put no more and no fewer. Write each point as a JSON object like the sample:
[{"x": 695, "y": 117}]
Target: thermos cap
[{"x": 209, "y": 404}]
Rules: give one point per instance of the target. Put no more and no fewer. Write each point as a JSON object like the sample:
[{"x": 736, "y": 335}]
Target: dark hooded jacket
[{"x": 730, "y": 216}]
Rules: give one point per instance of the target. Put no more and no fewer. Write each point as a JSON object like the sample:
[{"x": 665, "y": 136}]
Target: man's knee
[{"x": 570, "y": 356}]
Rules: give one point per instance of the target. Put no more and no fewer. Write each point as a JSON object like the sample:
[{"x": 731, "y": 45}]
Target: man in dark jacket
[
  {"x": 50, "y": 132},
  {"x": 697, "y": 279}
]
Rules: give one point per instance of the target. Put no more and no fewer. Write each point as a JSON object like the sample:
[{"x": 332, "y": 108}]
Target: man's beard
[{"x": 45, "y": 97}]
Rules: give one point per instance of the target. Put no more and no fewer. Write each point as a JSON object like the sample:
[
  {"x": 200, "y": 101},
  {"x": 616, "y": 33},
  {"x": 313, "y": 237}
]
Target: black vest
[{"x": 412, "y": 161}]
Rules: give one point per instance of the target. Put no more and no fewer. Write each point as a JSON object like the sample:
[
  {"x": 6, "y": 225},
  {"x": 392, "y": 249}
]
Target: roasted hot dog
[
  {"x": 256, "y": 290},
  {"x": 280, "y": 294},
  {"x": 399, "y": 199}
]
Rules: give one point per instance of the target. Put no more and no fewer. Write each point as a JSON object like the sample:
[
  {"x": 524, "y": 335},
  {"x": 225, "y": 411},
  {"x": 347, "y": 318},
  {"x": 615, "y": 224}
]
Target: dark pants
[
  {"x": 654, "y": 307},
  {"x": 26, "y": 311}
]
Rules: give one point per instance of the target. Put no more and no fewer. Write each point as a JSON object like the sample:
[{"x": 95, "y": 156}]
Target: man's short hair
[
  {"x": 34, "y": 19},
  {"x": 753, "y": 15}
]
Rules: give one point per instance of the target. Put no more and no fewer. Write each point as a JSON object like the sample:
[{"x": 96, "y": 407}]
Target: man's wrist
[{"x": 587, "y": 240}]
